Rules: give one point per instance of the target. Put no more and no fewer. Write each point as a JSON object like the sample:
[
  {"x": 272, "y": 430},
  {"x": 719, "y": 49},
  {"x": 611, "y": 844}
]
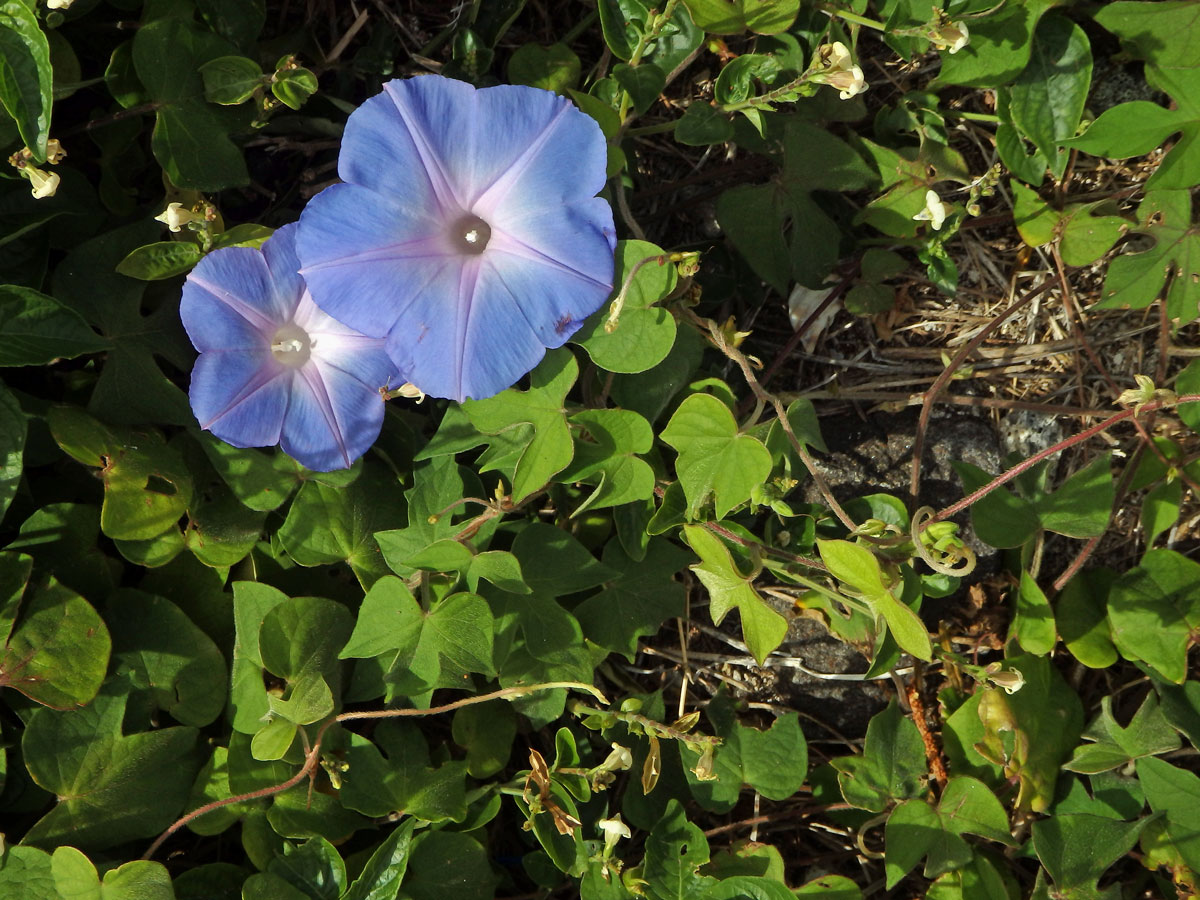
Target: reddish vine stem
[
  {"x": 314, "y": 753},
  {"x": 938, "y": 386},
  {"x": 1027, "y": 464},
  {"x": 835, "y": 294},
  {"x": 1077, "y": 328}
]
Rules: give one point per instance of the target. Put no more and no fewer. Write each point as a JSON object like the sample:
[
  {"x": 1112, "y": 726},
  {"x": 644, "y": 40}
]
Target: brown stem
[
  {"x": 764, "y": 396},
  {"x": 947, "y": 374},
  {"x": 310, "y": 759},
  {"x": 1026, "y": 464}
]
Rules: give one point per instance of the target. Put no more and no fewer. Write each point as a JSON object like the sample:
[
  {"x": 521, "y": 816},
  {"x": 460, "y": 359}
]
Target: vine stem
[
  {"x": 314, "y": 753},
  {"x": 765, "y": 397},
  {"x": 1079, "y": 438},
  {"x": 656, "y": 25},
  {"x": 944, "y": 379}
]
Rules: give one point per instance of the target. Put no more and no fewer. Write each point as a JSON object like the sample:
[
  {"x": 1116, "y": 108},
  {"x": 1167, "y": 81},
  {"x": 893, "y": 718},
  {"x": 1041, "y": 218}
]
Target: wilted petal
[
  {"x": 333, "y": 418},
  {"x": 240, "y": 396}
]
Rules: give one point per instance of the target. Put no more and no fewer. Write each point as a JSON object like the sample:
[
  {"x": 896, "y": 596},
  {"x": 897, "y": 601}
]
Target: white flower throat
[{"x": 291, "y": 345}]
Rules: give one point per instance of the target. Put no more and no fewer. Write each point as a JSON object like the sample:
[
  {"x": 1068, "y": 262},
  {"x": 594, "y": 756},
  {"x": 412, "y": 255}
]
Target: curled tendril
[{"x": 965, "y": 555}]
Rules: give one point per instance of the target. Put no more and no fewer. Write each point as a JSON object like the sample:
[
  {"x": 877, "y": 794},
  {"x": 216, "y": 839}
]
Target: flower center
[
  {"x": 291, "y": 345},
  {"x": 470, "y": 234}
]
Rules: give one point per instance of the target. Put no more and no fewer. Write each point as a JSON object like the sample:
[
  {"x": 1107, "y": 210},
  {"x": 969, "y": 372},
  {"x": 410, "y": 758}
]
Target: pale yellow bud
[
  {"x": 44, "y": 184},
  {"x": 175, "y": 216}
]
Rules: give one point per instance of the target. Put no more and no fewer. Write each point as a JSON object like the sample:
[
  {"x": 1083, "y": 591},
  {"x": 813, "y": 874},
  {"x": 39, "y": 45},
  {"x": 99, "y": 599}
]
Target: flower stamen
[
  {"x": 291, "y": 345},
  {"x": 471, "y": 234}
]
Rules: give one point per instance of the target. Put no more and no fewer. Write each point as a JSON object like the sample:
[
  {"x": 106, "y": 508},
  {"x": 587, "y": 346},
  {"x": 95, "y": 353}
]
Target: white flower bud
[
  {"x": 175, "y": 216},
  {"x": 614, "y": 829},
  {"x": 835, "y": 67},
  {"x": 934, "y": 212},
  {"x": 55, "y": 152},
  {"x": 44, "y": 184}
]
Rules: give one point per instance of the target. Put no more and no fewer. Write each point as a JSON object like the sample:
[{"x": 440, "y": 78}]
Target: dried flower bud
[{"x": 951, "y": 36}]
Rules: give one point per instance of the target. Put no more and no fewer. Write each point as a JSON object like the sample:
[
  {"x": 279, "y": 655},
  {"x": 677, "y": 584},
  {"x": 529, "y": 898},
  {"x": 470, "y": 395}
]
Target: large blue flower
[
  {"x": 466, "y": 230},
  {"x": 273, "y": 367}
]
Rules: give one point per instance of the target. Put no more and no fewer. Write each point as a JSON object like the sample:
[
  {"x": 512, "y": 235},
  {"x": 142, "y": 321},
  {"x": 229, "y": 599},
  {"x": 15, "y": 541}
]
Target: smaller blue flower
[{"x": 273, "y": 367}]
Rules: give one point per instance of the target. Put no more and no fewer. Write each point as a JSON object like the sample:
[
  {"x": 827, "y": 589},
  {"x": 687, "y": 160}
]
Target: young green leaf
[
  {"x": 549, "y": 450},
  {"x": 892, "y": 766},
  {"x": 714, "y": 459},
  {"x": 762, "y": 627}
]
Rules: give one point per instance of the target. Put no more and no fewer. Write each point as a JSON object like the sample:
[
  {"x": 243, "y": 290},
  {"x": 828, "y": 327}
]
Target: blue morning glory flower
[
  {"x": 466, "y": 230},
  {"x": 273, "y": 367}
]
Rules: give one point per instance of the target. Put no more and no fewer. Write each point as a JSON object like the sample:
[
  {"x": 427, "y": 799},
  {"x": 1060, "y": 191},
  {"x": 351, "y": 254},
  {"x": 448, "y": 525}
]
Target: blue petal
[
  {"x": 241, "y": 397},
  {"x": 332, "y": 420},
  {"x": 381, "y": 150},
  {"x": 233, "y": 279},
  {"x": 532, "y": 148},
  {"x": 475, "y": 346},
  {"x": 213, "y": 324},
  {"x": 559, "y": 266},
  {"x": 365, "y": 258},
  {"x": 280, "y": 254}
]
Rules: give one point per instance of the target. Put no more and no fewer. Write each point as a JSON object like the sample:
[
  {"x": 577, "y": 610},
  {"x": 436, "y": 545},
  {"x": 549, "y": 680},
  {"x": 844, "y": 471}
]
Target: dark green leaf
[
  {"x": 35, "y": 329},
  {"x": 230, "y": 79},
  {"x": 1112, "y": 746},
  {"x": 111, "y": 787},
  {"x": 1048, "y": 96},
  {"x": 554, "y": 68},
  {"x": 164, "y": 259},
  {"x": 446, "y": 864},
  {"x": 12, "y": 447},
  {"x": 58, "y": 653},
  {"x": 999, "y": 518},
  {"x": 1154, "y": 608},
  {"x": 638, "y": 600},
  {"x": 892, "y": 766},
  {"x": 1077, "y": 849},
  {"x": 25, "y": 74},
  {"x": 166, "y": 655},
  {"x": 1136, "y": 279},
  {"x": 385, "y": 870},
  {"x": 780, "y": 229}
]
